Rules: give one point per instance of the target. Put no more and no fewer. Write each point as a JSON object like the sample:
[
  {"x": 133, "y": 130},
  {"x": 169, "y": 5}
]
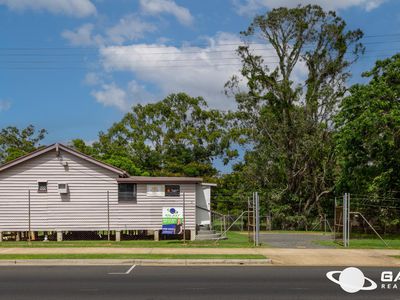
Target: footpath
[{"x": 276, "y": 256}]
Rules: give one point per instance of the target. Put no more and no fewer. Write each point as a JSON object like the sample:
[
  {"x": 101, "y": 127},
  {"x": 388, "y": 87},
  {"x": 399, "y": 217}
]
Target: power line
[
  {"x": 46, "y": 65},
  {"x": 187, "y": 45}
]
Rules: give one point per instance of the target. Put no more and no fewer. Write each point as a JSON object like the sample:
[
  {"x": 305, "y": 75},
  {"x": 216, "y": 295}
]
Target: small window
[
  {"x": 172, "y": 190},
  {"x": 127, "y": 192},
  {"x": 155, "y": 190},
  {"x": 42, "y": 186}
]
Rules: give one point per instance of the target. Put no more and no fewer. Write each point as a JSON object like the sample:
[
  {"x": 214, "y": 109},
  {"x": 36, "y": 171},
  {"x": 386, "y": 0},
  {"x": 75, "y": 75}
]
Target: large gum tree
[{"x": 286, "y": 118}]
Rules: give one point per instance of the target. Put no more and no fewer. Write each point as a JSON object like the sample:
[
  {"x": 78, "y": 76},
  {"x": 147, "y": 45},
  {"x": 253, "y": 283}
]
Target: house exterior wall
[{"x": 84, "y": 208}]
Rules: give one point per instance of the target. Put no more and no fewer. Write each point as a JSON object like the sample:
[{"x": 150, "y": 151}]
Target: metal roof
[{"x": 149, "y": 179}]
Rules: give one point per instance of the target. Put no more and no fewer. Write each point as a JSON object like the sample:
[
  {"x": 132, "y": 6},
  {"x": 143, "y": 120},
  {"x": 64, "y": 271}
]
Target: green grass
[
  {"x": 130, "y": 256},
  {"x": 364, "y": 244},
  {"x": 235, "y": 240}
]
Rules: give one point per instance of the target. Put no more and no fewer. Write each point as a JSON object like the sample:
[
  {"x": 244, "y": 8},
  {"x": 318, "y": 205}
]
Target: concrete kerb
[{"x": 137, "y": 262}]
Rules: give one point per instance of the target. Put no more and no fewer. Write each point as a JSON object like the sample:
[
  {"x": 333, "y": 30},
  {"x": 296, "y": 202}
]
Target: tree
[
  {"x": 368, "y": 137},
  {"x": 179, "y": 135},
  {"x": 285, "y": 118},
  {"x": 16, "y": 142}
]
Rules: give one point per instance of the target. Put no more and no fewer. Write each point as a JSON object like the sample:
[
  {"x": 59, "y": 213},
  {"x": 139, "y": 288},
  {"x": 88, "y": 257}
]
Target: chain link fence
[{"x": 370, "y": 221}]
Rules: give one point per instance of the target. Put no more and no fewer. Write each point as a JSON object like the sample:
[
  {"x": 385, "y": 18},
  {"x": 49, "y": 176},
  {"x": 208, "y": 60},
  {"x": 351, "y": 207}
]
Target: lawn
[
  {"x": 235, "y": 240},
  {"x": 365, "y": 244},
  {"x": 130, "y": 256}
]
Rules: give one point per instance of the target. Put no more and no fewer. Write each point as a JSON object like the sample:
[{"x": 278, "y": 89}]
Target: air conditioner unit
[{"x": 63, "y": 188}]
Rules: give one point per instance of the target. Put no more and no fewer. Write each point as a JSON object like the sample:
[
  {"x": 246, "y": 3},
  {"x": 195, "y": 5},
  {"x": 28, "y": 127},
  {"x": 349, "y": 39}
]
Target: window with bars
[{"x": 42, "y": 186}]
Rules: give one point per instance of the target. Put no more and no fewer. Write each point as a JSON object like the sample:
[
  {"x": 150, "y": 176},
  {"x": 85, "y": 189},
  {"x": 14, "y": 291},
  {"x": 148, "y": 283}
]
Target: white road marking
[{"x": 126, "y": 273}]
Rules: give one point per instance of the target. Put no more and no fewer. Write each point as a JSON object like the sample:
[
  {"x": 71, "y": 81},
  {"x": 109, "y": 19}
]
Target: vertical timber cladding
[{"x": 146, "y": 214}]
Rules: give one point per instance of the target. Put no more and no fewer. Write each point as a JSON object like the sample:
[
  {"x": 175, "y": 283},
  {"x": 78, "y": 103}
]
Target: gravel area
[{"x": 295, "y": 240}]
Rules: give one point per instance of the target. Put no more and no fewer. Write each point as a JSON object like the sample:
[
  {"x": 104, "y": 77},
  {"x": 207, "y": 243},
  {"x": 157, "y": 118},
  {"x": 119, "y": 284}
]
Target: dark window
[
  {"x": 42, "y": 187},
  {"x": 127, "y": 192},
  {"x": 172, "y": 190}
]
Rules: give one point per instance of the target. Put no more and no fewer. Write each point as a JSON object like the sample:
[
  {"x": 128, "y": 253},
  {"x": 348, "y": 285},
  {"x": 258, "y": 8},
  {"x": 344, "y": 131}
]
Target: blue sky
[{"x": 76, "y": 66}]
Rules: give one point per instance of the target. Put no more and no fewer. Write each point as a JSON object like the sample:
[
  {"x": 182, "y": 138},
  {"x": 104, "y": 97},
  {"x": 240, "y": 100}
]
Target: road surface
[{"x": 125, "y": 282}]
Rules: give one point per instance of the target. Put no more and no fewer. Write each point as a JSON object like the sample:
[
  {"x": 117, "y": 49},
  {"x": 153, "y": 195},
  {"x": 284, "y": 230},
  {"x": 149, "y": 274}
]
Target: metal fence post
[
  {"x": 334, "y": 219},
  {"x": 184, "y": 219},
  {"x": 257, "y": 202},
  {"x": 254, "y": 220},
  {"x": 348, "y": 220},
  {"x": 108, "y": 215},
  {"x": 344, "y": 220},
  {"x": 224, "y": 220},
  {"x": 29, "y": 215}
]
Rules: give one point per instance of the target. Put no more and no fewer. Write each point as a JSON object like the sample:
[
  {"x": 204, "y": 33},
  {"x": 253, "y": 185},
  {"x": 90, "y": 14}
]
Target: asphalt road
[
  {"x": 96, "y": 282},
  {"x": 295, "y": 240}
]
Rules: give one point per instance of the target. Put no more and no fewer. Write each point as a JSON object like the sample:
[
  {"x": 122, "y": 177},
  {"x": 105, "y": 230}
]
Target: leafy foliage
[
  {"x": 179, "y": 135},
  {"x": 368, "y": 137},
  {"x": 285, "y": 119},
  {"x": 16, "y": 142}
]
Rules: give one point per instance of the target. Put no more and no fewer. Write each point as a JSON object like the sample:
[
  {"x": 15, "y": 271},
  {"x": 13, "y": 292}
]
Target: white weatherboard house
[{"x": 58, "y": 189}]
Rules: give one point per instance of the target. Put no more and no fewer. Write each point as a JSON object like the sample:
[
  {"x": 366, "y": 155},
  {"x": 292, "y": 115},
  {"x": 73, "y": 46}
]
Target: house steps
[{"x": 206, "y": 234}]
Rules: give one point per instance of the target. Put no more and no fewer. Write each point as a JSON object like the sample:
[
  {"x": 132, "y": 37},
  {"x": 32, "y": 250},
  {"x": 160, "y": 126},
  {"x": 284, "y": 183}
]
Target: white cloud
[
  {"x": 5, "y": 105},
  {"x": 76, "y": 8},
  {"x": 123, "y": 99},
  {"x": 112, "y": 95},
  {"x": 194, "y": 70},
  {"x": 83, "y": 36},
  {"x": 251, "y": 6},
  {"x": 92, "y": 78},
  {"x": 129, "y": 28},
  {"x": 156, "y": 7}
]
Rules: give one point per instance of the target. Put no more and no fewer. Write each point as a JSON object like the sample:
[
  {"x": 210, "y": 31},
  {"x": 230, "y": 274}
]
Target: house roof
[
  {"x": 124, "y": 175},
  {"x": 57, "y": 147},
  {"x": 148, "y": 179}
]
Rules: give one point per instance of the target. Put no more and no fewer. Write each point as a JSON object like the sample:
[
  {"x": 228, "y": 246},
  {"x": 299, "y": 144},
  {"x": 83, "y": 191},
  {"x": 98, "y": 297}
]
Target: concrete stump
[
  {"x": 118, "y": 236},
  {"x": 156, "y": 235},
  {"x": 59, "y": 236},
  {"x": 192, "y": 235}
]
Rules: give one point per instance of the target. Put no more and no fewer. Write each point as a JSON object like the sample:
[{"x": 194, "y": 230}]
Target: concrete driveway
[{"x": 295, "y": 240}]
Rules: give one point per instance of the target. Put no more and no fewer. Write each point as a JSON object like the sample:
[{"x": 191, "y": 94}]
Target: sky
[{"x": 74, "y": 67}]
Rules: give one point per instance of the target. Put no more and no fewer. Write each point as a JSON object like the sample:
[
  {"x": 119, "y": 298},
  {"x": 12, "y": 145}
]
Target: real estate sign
[{"x": 172, "y": 220}]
